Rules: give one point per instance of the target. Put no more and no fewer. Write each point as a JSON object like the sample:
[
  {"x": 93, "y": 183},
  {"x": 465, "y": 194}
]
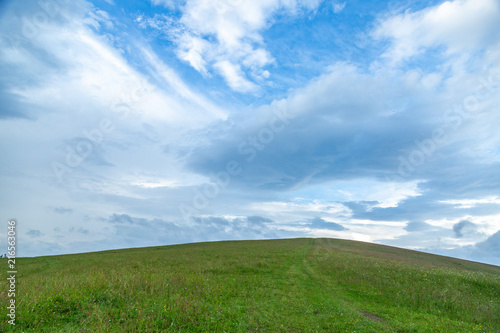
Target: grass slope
[{"x": 292, "y": 285}]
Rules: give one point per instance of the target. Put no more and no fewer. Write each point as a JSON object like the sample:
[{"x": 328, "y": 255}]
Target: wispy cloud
[
  {"x": 225, "y": 36},
  {"x": 457, "y": 26},
  {"x": 463, "y": 228},
  {"x": 338, "y": 7},
  {"x": 379, "y": 127},
  {"x": 469, "y": 203}
]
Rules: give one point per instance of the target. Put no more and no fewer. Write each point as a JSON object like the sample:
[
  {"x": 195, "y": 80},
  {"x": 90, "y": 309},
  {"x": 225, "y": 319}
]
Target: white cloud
[
  {"x": 221, "y": 34},
  {"x": 338, "y": 7},
  {"x": 155, "y": 183},
  {"x": 487, "y": 250},
  {"x": 364, "y": 230},
  {"x": 470, "y": 203},
  {"x": 485, "y": 224},
  {"x": 460, "y": 25},
  {"x": 385, "y": 194},
  {"x": 345, "y": 131},
  {"x": 374, "y": 193},
  {"x": 202, "y": 104},
  {"x": 301, "y": 209},
  {"x": 192, "y": 50},
  {"x": 71, "y": 78},
  {"x": 93, "y": 71},
  {"x": 235, "y": 77}
]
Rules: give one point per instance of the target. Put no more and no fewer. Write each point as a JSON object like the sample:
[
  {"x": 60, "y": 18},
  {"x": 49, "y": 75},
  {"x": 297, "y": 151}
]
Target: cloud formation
[
  {"x": 464, "y": 228},
  {"x": 225, "y": 36},
  {"x": 457, "y": 26},
  {"x": 319, "y": 223},
  {"x": 160, "y": 122}
]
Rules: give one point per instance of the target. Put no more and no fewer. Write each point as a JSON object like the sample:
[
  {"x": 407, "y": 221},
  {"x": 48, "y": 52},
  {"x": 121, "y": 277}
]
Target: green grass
[{"x": 293, "y": 285}]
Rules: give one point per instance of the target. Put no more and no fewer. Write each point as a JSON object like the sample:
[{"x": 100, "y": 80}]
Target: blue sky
[{"x": 161, "y": 122}]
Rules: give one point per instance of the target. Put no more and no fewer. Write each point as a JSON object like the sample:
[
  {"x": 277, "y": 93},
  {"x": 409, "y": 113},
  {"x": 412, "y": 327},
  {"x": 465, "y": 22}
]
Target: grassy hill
[{"x": 292, "y": 285}]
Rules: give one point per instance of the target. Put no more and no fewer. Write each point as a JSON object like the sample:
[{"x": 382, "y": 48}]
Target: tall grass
[{"x": 298, "y": 285}]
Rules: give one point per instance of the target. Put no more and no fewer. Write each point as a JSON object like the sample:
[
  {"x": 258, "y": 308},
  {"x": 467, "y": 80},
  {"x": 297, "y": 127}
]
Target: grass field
[{"x": 293, "y": 285}]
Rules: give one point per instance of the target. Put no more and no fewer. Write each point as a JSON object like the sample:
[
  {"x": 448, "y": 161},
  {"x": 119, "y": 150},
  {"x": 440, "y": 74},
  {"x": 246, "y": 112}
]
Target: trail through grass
[{"x": 296, "y": 285}]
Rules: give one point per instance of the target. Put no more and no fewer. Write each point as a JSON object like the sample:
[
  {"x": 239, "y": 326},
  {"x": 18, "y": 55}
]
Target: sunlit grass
[{"x": 300, "y": 285}]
